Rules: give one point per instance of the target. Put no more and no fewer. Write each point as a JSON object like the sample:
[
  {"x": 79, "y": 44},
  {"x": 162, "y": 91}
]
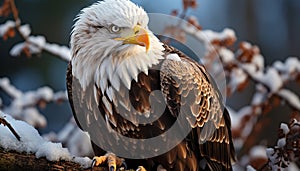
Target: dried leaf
[
  {"x": 243, "y": 85},
  {"x": 229, "y": 41},
  {"x": 194, "y": 21},
  {"x": 9, "y": 33},
  {"x": 26, "y": 51},
  {"x": 42, "y": 104},
  {"x": 189, "y": 4}
]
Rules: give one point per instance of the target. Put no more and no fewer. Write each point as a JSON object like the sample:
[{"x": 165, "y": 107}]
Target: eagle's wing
[{"x": 189, "y": 89}]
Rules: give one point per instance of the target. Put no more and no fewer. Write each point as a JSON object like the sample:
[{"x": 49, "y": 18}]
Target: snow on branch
[
  {"x": 32, "y": 45},
  {"x": 32, "y": 142},
  {"x": 24, "y": 104},
  {"x": 287, "y": 149}
]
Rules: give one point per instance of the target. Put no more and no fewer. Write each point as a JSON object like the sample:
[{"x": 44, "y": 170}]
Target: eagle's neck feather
[{"x": 117, "y": 69}]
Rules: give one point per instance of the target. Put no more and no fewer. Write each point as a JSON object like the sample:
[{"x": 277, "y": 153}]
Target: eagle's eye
[{"x": 115, "y": 29}]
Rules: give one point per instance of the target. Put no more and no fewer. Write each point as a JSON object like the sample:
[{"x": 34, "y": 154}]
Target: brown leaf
[
  {"x": 9, "y": 33},
  {"x": 42, "y": 104},
  {"x": 27, "y": 52},
  {"x": 189, "y": 4},
  {"x": 243, "y": 85},
  {"x": 194, "y": 21},
  {"x": 224, "y": 42},
  {"x": 5, "y": 9},
  {"x": 258, "y": 162}
]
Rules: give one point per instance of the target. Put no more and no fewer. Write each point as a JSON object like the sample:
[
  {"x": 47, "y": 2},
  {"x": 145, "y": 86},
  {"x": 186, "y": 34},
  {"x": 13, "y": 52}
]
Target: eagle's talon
[
  {"x": 112, "y": 168},
  {"x": 110, "y": 160},
  {"x": 93, "y": 164}
]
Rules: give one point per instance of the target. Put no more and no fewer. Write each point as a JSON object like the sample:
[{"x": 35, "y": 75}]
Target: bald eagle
[{"x": 123, "y": 79}]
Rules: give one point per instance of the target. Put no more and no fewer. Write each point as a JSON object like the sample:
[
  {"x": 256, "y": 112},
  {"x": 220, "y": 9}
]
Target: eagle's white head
[{"x": 111, "y": 42}]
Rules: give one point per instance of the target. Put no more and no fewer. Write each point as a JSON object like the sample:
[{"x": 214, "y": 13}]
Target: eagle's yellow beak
[{"x": 140, "y": 37}]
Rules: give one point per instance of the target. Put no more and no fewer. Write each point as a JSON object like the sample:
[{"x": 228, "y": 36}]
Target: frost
[{"x": 32, "y": 142}]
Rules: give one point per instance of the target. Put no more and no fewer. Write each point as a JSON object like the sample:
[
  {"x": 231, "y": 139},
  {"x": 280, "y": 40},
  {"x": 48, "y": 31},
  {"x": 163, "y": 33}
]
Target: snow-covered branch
[
  {"x": 24, "y": 104},
  {"x": 32, "y": 45},
  {"x": 32, "y": 142}
]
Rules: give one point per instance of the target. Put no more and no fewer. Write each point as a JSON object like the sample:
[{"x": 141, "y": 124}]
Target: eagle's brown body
[{"x": 204, "y": 104}]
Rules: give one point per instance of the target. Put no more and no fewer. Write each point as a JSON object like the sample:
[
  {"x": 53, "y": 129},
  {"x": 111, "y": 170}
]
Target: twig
[
  {"x": 5, "y": 123},
  {"x": 26, "y": 37}
]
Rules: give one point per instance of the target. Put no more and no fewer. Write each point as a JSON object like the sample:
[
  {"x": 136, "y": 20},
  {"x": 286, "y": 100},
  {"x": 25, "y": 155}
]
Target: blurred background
[{"x": 272, "y": 25}]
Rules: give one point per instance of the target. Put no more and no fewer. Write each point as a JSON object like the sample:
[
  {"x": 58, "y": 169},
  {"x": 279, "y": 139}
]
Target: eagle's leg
[{"x": 113, "y": 162}]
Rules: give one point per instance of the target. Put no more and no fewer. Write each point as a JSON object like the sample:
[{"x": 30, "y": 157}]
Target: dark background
[{"x": 273, "y": 25}]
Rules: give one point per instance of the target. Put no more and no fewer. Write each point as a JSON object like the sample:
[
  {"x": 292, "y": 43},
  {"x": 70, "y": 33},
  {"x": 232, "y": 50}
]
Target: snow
[
  {"x": 209, "y": 35},
  {"x": 258, "y": 152},
  {"x": 284, "y": 128},
  {"x": 237, "y": 116},
  {"x": 174, "y": 57},
  {"x": 25, "y": 30},
  {"x": 290, "y": 97},
  {"x": 32, "y": 142},
  {"x": 259, "y": 61},
  {"x": 9, "y": 89},
  {"x": 271, "y": 154},
  {"x": 39, "y": 43},
  {"x": 271, "y": 79},
  {"x": 6, "y": 26},
  {"x": 226, "y": 55},
  {"x": 237, "y": 76},
  {"x": 291, "y": 64},
  {"x": 53, "y": 152},
  {"x": 23, "y": 105},
  {"x": 17, "y": 49},
  {"x": 39, "y": 121},
  {"x": 61, "y": 51},
  {"x": 250, "y": 168},
  {"x": 281, "y": 142}
]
